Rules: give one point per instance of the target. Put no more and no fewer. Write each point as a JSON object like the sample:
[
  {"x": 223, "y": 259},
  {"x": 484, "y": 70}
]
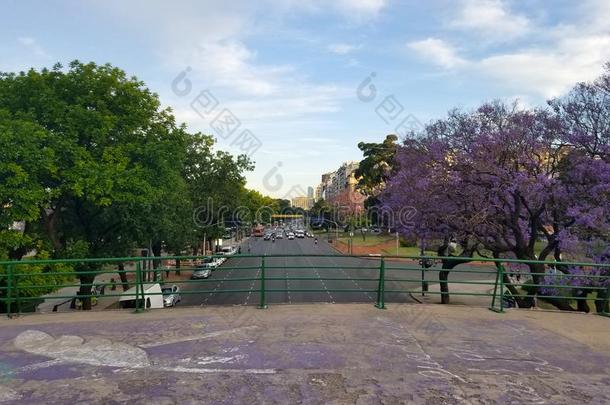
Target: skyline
[{"x": 290, "y": 72}]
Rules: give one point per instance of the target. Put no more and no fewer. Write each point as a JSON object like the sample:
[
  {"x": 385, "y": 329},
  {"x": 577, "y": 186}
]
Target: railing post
[
  {"x": 501, "y": 288},
  {"x": 500, "y": 281},
  {"x": 605, "y": 304},
  {"x": 139, "y": 288},
  {"x": 381, "y": 287},
  {"x": 263, "y": 302},
  {"x": 17, "y": 296},
  {"x": 9, "y": 291}
]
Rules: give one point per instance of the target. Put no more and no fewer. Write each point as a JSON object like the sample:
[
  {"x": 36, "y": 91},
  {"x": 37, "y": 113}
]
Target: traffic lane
[
  {"x": 363, "y": 274},
  {"x": 290, "y": 267},
  {"x": 221, "y": 279},
  {"x": 360, "y": 275},
  {"x": 397, "y": 269}
]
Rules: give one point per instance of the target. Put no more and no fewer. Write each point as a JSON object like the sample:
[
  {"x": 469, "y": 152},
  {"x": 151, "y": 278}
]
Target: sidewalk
[{"x": 314, "y": 354}]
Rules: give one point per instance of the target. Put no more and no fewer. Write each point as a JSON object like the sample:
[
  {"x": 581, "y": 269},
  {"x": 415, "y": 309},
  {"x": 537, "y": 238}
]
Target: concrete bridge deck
[{"x": 313, "y": 354}]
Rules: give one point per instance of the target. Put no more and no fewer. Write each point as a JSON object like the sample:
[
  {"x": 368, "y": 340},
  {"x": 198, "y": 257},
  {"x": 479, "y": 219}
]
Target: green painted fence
[{"x": 387, "y": 276}]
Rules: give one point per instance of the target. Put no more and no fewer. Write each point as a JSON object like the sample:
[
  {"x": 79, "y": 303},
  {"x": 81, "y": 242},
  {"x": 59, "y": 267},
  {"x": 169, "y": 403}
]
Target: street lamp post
[{"x": 397, "y": 243}]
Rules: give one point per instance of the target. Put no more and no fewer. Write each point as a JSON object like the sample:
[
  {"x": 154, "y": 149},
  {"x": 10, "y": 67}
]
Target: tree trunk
[
  {"x": 443, "y": 276},
  {"x": 50, "y": 221},
  {"x": 559, "y": 303},
  {"x": 448, "y": 264},
  {"x": 601, "y": 302},
  {"x": 86, "y": 281},
  {"x": 177, "y": 267},
  {"x": 156, "y": 250},
  {"x": 123, "y": 276}
]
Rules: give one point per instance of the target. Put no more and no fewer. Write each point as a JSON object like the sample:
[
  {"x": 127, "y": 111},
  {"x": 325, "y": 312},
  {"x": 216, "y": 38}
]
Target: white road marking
[
  {"x": 219, "y": 359},
  {"x": 353, "y": 281},
  {"x": 181, "y": 369},
  {"x": 197, "y": 337},
  {"x": 217, "y": 286},
  {"x": 38, "y": 366},
  {"x": 287, "y": 281},
  {"x": 252, "y": 287}
]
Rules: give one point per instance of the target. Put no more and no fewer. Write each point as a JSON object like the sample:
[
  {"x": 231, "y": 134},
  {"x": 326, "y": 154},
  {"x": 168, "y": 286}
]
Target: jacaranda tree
[{"x": 527, "y": 184}]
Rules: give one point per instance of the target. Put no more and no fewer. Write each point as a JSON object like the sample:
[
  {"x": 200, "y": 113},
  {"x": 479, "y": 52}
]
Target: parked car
[
  {"x": 171, "y": 295},
  {"x": 279, "y": 235},
  {"x": 201, "y": 272},
  {"x": 209, "y": 263},
  {"x": 290, "y": 236},
  {"x": 228, "y": 250},
  {"x": 267, "y": 236}
]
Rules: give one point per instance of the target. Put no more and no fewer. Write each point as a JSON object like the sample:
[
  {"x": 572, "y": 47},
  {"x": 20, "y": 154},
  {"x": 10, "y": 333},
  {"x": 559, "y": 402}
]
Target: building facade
[{"x": 302, "y": 202}]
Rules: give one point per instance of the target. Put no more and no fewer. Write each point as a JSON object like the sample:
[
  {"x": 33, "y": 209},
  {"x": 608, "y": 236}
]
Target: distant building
[
  {"x": 318, "y": 194},
  {"x": 302, "y": 202},
  {"x": 310, "y": 192},
  {"x": 340, "y": 187}
]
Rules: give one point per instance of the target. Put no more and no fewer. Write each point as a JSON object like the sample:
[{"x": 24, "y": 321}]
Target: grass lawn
[
  {"x": 408, "y": 251},
  {"x": 371, "y": 240}
]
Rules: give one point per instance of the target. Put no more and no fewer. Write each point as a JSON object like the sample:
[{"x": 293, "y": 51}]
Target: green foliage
[
  {"x": 376, "y": 166},
  {"x": 92, "y": 166}
]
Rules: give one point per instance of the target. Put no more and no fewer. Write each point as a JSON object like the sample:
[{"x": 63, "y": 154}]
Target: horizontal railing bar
[
  {"x": 318, "y": 291},
  {"x": 386, "y": 257},
  {"x": 319, "y": 278},
  {"x": 76, "y": 273},
  {"x": 434, "y": 282},
  {"x": 432, "y": 269}
]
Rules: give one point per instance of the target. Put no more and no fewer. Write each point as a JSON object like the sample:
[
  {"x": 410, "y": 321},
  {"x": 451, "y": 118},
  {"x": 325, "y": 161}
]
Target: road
[{"x": 359, "y": 277}]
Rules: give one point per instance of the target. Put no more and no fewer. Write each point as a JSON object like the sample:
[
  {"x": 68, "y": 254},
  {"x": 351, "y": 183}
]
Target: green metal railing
[{"x": 26, "y": 282}]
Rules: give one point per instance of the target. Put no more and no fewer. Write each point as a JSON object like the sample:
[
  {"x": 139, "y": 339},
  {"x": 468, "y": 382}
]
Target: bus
[{"x": 258, "y": 231}]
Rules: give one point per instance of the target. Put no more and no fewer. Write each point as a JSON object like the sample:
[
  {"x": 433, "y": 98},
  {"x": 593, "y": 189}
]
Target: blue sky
[{"x": 289, "y": 70}]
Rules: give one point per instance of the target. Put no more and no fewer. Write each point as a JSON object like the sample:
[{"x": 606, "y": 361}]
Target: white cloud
[
  {"x": 563, "y": 54},
  {"x": 438, "y": 52},
  {"x": 362, "y": 7},
  {"x": 491, "y": 19},
  {"x": 230, "y": 64},
  {"x": 357, "y": 10},
  {"x": 342, "y": 48},
  {"x": 33, "y": 46},
  {"x": 549, "y": 72}
]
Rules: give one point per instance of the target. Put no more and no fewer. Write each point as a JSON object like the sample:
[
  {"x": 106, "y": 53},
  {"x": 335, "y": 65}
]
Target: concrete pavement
[{"x": 312, "y": 354}]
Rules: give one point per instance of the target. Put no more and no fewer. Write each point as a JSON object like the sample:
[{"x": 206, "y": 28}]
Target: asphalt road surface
[{"x": 357, "y": 277}]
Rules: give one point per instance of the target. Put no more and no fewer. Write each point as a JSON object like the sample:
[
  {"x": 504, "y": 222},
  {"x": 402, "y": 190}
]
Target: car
[
  {"x": 267, "y": 236},
  {"x": 201, "y": 272},
  {"x": 309, "y": 234},
  {"x": 171, "y": 295},
  {"x": 290, "y": 236},
  {"x": 228, "y": 250},
  {"x": 210, "y": 263},
  {"x": 279, "y": 235}
]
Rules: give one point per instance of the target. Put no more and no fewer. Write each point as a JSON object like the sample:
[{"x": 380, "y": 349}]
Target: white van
[{"x": 153, "y": 297}]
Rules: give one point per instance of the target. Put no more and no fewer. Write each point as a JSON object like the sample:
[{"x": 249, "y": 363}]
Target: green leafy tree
[{"x": 375, "y": 168}]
